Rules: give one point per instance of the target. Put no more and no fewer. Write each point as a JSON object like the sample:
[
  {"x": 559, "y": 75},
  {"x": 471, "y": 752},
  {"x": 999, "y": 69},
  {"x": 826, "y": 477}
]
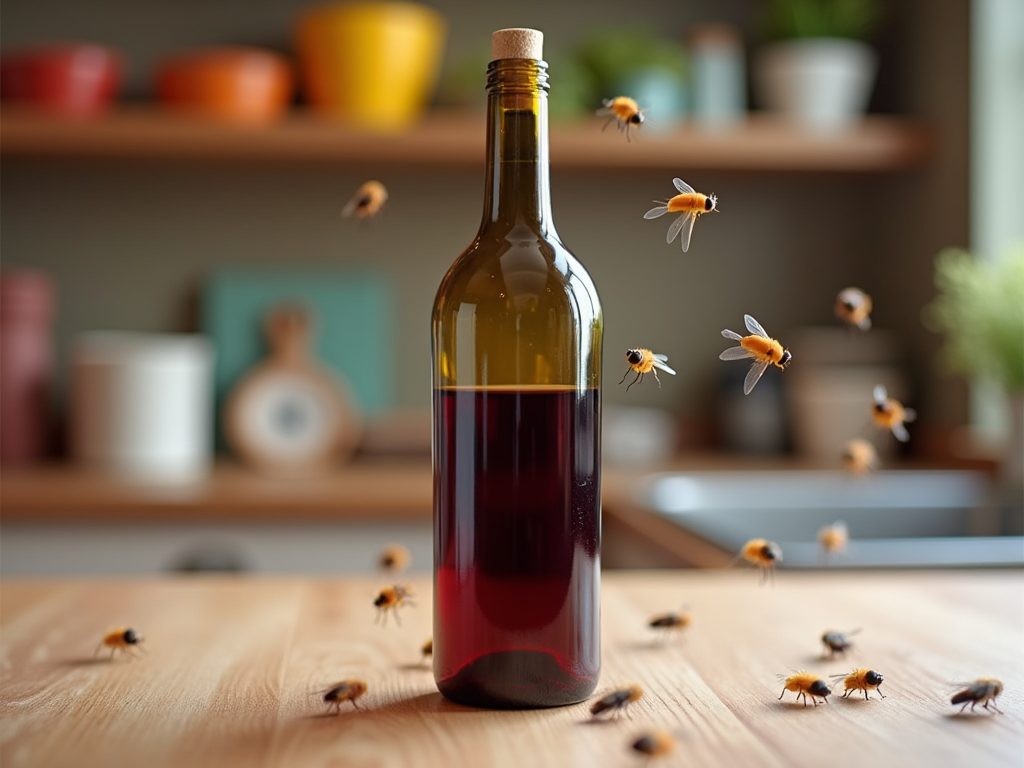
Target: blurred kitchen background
[{"x": 168, "y": 219}]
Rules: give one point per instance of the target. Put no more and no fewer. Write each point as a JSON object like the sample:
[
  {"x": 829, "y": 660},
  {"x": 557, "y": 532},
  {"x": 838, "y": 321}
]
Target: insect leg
[{"x": 639, "y": 377}]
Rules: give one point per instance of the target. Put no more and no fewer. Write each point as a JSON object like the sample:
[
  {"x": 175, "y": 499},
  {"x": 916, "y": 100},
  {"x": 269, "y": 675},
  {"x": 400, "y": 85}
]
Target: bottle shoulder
[{"x": 516, "y": 260}]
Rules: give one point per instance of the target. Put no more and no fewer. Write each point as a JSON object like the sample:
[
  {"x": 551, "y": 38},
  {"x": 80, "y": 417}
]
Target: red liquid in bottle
[{"x": 517, "y": 545}]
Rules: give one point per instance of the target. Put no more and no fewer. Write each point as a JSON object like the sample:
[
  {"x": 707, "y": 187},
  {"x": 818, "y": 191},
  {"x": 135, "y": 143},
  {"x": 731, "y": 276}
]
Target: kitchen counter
[{"x": 233, "y": 666}]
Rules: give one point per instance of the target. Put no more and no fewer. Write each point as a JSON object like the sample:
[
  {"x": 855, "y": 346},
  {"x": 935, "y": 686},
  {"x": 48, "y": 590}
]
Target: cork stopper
[{"x": 517, "y": 43}]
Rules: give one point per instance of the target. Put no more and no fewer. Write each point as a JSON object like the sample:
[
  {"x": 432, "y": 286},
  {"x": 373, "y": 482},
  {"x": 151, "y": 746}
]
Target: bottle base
[{"x": 520, "y": 679}]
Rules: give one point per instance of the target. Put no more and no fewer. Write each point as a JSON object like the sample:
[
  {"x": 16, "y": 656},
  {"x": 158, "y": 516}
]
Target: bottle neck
[{"x": 517, "y": 190}]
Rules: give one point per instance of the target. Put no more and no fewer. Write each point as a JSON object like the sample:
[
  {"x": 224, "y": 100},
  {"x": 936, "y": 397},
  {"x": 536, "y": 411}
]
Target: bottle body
[{"x": 517, "y": 331}]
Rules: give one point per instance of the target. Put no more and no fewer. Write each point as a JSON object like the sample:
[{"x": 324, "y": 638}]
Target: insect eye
[
  {"x": 768, "y": 553},
  {"x": 130, "y": 637},
  {"x": 709, "y": 204},
  {"x": 634, "y": 356},
  {"x": 873, "y": 678},
  {"x": 636, "y": 119},
  {"x": 818, "y": 688},
  {"x": 786, "y": 357}
]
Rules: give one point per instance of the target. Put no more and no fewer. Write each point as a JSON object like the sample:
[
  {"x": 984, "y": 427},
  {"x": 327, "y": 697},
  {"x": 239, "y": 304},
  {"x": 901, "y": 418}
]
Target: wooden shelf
[
  {"x": 450, "y": 139},
  {"x": 367, "y": 490}
]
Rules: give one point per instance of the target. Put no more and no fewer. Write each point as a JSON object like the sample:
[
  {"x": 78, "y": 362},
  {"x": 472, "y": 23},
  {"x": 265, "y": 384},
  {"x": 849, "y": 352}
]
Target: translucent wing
[
  {"x": 654, "y": 213},
  {"x": 736, "y": 353},
  {"x": 864, "y": 324},
  {"x": 755, "y": 327},
  {"x": 880, "y": 394},
  {"x": 754, "y": 375},
  {"x": 732, "y": 335},
  {"x": 682, "y": 186},
  {"x": 676, "y": 226},
  {"x": 684, "y": 240},
  {"x": 900, "y": 432},
  {"x": 909, "y": 414},
  {"x": 663, "y": 358},
  {"x": 659, "y": 362},
  {"x": 350, "y": 206}
]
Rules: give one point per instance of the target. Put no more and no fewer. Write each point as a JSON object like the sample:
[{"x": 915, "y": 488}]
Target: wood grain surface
[{"x": 233, "y": 667}]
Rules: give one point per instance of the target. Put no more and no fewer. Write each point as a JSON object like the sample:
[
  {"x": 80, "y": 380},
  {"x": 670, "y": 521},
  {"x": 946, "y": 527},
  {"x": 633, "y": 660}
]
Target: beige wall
[{"x": 129, "y": 243}]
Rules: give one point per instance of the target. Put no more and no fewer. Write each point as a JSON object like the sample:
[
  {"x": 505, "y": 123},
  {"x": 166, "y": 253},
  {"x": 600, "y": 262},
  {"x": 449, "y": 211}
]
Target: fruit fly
[
  {"x": 853, "y": 307},
  {"x": 805, "y": 684},
  {"x": 671, "y": 622},
  {"x": 625, "y": 110},
  {"x": 690, "y": 205},
  {"x": 860, "y": 457},
  {"x": 889, "y": 413},
  {"x": 762, "y": 553},
  {"x": 644, "y": 361},
  {"x": 391, "y": 599},
  {"x": 833, "y": 538},
  {"x": 761, "y": 347},
  {"x": 655, "y": 744},
  {"x": 982, "y": 691},
  {"x": 121, "y": 639},
  {"x": 837, "y": 643},
  {"x": 860, "y": 680},
  {"x": 367, "y": 201},
  {"x": 617, "y": 700},
  {"x": 339, "y": 693},
  {"x": 394, "y": 558}
]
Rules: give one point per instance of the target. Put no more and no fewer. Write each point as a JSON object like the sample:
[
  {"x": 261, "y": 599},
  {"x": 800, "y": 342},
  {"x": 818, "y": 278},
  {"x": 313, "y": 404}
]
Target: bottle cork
[{"x": 517, "y": 43}]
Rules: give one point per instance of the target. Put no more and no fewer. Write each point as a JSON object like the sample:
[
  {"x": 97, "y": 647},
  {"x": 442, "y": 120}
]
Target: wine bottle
[{"x": 516, "y": 355}]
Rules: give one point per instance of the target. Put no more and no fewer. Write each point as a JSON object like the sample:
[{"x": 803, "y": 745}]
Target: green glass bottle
[{"x": 516, "y": 352}]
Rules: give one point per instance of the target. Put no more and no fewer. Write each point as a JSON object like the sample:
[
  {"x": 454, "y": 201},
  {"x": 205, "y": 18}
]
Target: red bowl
[
  {"x": 232, "y": 84},
  {"x": 69, "y": 79}
]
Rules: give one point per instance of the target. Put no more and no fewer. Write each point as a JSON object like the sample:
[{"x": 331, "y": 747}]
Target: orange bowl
[{"x": 237, "y": 85}]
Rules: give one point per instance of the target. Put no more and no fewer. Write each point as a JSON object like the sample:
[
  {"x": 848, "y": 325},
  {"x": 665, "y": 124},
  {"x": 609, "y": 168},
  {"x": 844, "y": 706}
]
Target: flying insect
[
  {"x": 759, "y": 346},
  {"x": 644, "y": 361},
  {"x": 690, "y": 205},
  {"x": 623, "y": 109}
]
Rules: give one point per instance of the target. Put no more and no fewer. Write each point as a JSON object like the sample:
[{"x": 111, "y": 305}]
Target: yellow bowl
[{"x": 373, "y": 64}]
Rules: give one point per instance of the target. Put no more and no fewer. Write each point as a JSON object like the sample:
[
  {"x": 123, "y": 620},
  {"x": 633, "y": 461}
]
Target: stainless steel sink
[{"x": 895, "y": 518}]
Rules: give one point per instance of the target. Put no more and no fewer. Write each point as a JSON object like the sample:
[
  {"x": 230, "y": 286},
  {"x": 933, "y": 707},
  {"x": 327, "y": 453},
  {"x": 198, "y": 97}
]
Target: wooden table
[{"x": 234, "y": 665}]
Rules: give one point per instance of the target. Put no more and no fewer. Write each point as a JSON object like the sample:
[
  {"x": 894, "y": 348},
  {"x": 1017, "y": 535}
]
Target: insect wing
[
  {"x": 909, "y": 414},
  {"x": 754, "y": 375},
  {"x": 732, "y": 335},
  {"x": 350, "y": 206},
  {"x": 880, "y": 394},
  {"x": 683, "y": 187},
  {"x": 900, "y": 432},
  {"x": 736, "y": 353},
  {"x": 755, "y": 327},
  {"x": 687, "y": 230},
  {"x": 659, "y": 362},
  {"x": 678, "y": 225},
  {"x": 654, "y": 213}
]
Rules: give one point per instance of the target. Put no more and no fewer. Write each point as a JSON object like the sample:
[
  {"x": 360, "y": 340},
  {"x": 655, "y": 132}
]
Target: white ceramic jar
[{"x": 142, "y": 404}]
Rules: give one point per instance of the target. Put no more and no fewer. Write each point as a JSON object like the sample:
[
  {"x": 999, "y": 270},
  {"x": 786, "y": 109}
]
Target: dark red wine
[{"x": 517, "y": 503}]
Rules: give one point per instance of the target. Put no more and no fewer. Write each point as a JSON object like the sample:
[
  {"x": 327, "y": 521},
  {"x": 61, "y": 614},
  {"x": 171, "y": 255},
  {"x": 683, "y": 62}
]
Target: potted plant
[
  {"x": 818, "y": 70},
  {"x": 980, "y": 309}
]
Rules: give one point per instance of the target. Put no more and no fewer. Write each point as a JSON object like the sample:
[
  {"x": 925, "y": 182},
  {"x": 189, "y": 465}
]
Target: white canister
[{"x": 142, "y": 404}]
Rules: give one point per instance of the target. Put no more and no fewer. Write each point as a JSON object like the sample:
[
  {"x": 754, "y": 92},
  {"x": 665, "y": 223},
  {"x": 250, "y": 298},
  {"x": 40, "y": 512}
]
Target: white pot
[
  {"x": 822, "y": 83},
  {"x": 141, "y": 404}
]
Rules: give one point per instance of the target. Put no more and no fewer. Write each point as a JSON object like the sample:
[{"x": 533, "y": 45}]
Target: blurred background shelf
[
  {"x": 448, "y": 138},
  {"x": 390, "y": 491}
]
